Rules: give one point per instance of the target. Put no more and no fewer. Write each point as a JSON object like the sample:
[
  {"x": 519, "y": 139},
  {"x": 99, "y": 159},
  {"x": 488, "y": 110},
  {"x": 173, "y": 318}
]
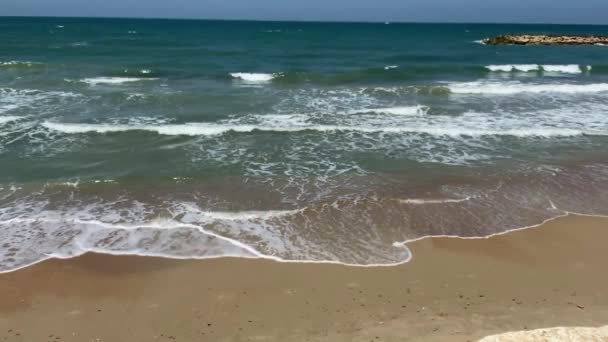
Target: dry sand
[{"x": 453, "y": 290}]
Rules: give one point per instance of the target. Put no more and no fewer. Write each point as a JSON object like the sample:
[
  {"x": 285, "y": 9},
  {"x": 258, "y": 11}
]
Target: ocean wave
[
  {"x": 114, "y": 80},
  {"x": 195, "y": 129},
  {"x": 566, "y": 69},
  {"x": 56, "y": 223},
  {"x": 513, "y": 67},
  {"x": 20, "y": 64},
  {"x": 509, "y": 88},
  {"x": 549, "y": 68},
  {"x": 407, "y": 110},
  {"x": 254, "y": 77},
  {"x": 13, "y": 100}
]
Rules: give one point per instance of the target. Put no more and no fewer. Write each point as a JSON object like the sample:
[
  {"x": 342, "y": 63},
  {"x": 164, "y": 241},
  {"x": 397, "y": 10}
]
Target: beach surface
[{"x": 452, "y": 290}]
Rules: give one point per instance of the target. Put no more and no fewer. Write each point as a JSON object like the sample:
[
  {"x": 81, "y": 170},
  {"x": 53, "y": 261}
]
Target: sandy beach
[{"x": 452, "y": 290}]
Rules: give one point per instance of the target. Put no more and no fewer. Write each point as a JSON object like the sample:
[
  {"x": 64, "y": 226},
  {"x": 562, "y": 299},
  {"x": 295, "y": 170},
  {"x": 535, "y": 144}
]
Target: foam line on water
[
  {"x": 19, "y": 63},
  {"x": 420, "y": 201},
  {"x": 549, "y": 68},
  {"x": 513, "y": 67},
  {"x": 196, "y": 129},
  {"x": 405, "y": 110},
  {"x": 114, "y": 80},
  {"x": 510, "y": 88}
]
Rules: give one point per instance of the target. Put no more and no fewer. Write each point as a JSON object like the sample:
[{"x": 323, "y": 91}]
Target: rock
[
  {"x": 546, "y": 40},
  {"x": 553, "y": 334}
]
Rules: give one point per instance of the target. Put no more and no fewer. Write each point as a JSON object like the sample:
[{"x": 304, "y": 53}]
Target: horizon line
[{"x": 299, "y": 21}]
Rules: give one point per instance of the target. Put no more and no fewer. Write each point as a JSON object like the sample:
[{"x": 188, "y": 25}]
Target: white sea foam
[
  {"x": 114, "y": 80},
  {"x": 406, "y": 110},
  {"x": 514, "y": 67},
  {"x": 6, "y": 119},
  {"x": 248, "y": 215},
  {"x": 509, "y": 88},
  {"x": 548, "y": 68},
  {"x": 389, "y": 67},
  {"x": 15, "y": 100},
  {"x": 194, "y": 129},
  {"x": 136, "y": 96},
  {"x": 420, "y": 201},
  {"x": 19, "y": 63},
  {"x": 563, "y": 69},
  {"x": 254, "y": 77}
]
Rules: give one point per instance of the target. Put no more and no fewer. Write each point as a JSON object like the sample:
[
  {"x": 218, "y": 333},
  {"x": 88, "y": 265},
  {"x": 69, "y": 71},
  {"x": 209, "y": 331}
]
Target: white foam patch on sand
[
  {"x": 114, "y": 80},
  {"x": 253, "y": 77},
  {"x": 559, "y": 334},
  {"x": 134, "y": 228},
  {"x": 514, "y": 67},
  {"x": 510, "y": 88}
]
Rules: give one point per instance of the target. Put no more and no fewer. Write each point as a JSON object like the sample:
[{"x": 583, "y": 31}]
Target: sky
[{"x": 511, "y": 11}]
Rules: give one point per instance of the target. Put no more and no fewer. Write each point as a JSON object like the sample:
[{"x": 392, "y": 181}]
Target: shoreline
[
  {"x": 455, "y": 289},
  {"x": 262, "y": 257}
]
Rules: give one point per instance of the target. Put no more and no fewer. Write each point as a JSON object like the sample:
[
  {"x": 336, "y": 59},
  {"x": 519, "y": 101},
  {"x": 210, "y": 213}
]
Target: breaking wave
[
  {"x": 253, "y": 77},
  {"x": 510, "y": 88},
  {"x": 564, "y": 69}
]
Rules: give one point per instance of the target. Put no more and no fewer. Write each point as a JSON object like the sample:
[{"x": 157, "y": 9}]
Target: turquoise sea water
[{"x": 293, "y": 141}]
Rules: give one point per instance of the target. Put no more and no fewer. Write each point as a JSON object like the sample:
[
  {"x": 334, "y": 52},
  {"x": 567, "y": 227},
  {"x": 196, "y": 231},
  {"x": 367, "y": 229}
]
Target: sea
[{"x": 289, "y": 141}]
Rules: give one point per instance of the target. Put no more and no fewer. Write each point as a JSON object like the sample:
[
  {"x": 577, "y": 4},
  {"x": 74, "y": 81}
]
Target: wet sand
[{"x": 452, "y": 290}]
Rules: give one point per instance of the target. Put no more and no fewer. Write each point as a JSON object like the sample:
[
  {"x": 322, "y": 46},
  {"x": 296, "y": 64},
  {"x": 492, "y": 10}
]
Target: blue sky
[{"x": 548, "y": 11}]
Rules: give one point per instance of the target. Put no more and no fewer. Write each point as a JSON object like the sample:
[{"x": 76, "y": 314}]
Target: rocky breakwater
[{"x": 546, "y": 40}]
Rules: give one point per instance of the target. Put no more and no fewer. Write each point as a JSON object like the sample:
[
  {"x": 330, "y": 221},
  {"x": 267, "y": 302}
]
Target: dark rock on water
[{"x": 546, "y": 40}]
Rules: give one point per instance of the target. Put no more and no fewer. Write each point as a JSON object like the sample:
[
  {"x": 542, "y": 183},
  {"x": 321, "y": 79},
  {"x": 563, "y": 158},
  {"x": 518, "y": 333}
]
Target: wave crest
[
  {"x": 510, "y": 88},
  {"x": 114, "y": 80},
  {"x": 254, "y": 77}
]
